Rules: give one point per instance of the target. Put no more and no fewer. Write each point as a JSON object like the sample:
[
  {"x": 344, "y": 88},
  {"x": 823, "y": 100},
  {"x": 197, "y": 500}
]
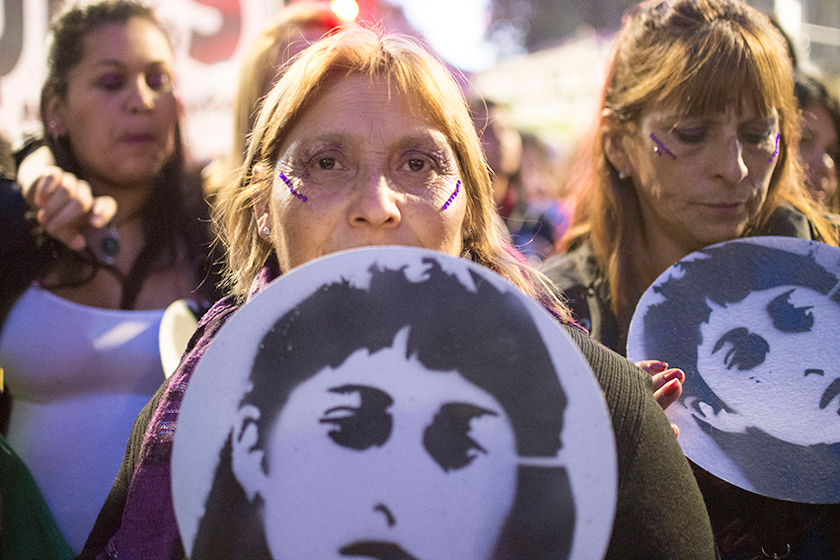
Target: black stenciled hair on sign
[
  {"x": 487, "y": 336},
  {"x": 726, "y": 274}
]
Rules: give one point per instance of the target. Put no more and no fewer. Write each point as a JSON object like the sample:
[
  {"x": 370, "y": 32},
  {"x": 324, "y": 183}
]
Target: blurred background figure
[
  {"x": 543, "y": 183},
  {"x": 819, "y": 149},
  {"x": 532, "y": 224},
  {"x": 295, "y": 27}
]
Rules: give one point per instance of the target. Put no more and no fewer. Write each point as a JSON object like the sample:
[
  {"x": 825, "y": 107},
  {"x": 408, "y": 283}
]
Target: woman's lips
[
  {"x": 726, "y": 207},
  {"x": 134, "y": 139}
]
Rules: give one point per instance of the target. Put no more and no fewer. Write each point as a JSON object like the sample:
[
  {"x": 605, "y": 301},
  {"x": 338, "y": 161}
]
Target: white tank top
[{"x": 79, "y": 376}]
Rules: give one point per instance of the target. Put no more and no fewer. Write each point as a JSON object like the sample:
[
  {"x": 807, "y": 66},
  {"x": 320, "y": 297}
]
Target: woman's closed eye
[
  {"x": 764, "y": 138},
  {"x": 691, "y": 135},
  {"x": 159, "y": 80},
  {"x": 360, "y": 427},
  {"x": 447, "y": 438},
  {"x": 111, "y": 81}
]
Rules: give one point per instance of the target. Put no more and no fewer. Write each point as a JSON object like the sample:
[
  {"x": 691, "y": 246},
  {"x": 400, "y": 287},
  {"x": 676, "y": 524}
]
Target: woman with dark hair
[
  {"x": 819, "y": 149},
  {"x": 435, "y": 326},
  {"x": 82, "y": 311},
  {"x": 364, "y": 141}
]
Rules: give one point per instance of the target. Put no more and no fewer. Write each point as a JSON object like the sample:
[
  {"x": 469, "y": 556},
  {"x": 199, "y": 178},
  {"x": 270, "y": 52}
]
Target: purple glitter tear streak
[
  {"x": 451, "y": 197},
  {"x": 778, "y": 136},
  {"x": 292, "y": 189},
  {"x": 662, "y": 146}
]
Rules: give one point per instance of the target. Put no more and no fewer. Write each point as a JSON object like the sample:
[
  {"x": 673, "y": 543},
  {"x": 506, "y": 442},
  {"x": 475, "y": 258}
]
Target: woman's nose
[
  {"x": 728, "y": 161},
  {"x": 375, "y": 204},
  {"x": 141, "y": 96}
]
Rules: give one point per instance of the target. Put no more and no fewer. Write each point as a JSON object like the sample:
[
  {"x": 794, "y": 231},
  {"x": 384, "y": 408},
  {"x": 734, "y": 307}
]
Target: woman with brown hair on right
[{"x": 695, "y": 144}]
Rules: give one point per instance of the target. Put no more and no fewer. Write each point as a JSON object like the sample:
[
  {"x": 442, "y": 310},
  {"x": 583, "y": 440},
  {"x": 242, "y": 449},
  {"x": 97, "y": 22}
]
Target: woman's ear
[
  {"x": 615, "y": 138},
  {"x": 246, "y": 458},
  {"x": 54, "y": 113},
  {"x": 262, "y": 215}
]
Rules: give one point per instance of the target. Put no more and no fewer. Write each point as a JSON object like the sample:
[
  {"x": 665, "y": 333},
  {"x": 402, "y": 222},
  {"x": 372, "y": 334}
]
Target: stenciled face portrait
[
  {"x": 358, "y": 432},
  {"x": 777, "y": 351},
  {"x": 393, "y": 402},
  {"x": 753, "y": 322},
  {"x": 819, "y": 151},
  {"x": 120, "y": 110},
  {"x": 699, "y": 181},
  {"x": 363, "y": 166}
]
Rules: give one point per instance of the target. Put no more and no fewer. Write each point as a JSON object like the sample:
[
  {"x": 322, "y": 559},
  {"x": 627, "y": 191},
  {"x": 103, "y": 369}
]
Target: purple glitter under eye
[
  {"x": 661, "y": 147},
  {"x": 451, "y": 197},
  {"x": 292, "y": 188},
  {"x": 778, "y": 136}
]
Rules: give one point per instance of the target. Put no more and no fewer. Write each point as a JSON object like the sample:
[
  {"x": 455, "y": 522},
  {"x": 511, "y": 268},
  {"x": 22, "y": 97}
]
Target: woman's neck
[
  {"x": 661, "y": 251},
  {"x": 130, "y": 199}
]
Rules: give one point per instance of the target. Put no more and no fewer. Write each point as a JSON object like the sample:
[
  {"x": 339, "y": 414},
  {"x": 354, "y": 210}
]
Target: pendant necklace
[
  {"x": 110, "y": 245},
  {"x": 106, "y": 241}
]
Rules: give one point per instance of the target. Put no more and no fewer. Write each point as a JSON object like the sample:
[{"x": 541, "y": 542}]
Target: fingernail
[
  {"x": 671, "y": 388},
  {"x": 658, "y": 366},
  {"x": 675, "y": 374}
]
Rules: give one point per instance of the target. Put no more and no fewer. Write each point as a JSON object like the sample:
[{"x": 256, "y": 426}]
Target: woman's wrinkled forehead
[{"x": 412, "y": 101}]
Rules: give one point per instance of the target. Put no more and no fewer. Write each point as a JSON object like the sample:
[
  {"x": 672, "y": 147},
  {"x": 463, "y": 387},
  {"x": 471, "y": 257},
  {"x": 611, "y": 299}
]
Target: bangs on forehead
[{"x": 728, "y": 69}]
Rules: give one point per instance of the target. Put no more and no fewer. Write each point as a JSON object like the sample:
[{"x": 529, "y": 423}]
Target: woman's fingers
[
  {"x": 667, "y": 382},
  {"x": 66, "y": 207},
  {"x": 103, "y": 211}
]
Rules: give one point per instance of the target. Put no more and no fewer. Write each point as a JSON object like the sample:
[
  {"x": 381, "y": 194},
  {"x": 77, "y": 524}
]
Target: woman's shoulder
[
  {"x": 660, "y": 512},
  {"x": 625, "y": 387},
  {"x": 575, "y": 267}
]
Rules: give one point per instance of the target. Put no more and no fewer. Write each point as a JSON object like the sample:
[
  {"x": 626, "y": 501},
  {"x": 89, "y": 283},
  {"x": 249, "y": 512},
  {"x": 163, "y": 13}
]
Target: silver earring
[
  {"x": 622, "y": 175},
  {"x": 657, "y": 151},
  {"x": 265, "y": 231}
]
